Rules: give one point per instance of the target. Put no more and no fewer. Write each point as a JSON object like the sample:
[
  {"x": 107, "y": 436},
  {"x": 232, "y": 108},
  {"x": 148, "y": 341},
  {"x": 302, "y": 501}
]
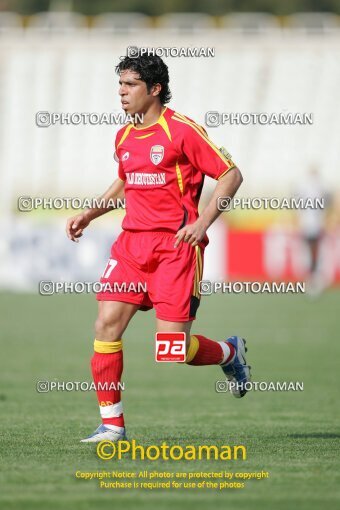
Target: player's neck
[{"x": 151, "y": 116}]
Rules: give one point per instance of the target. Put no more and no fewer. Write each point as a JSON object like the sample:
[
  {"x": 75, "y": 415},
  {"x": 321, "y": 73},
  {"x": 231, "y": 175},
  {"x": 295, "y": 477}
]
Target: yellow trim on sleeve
[
  {"x": 204, "y": 137},
  {"x": 107, "y": 347},
  {"x": 183, "y": 117},
  {"x": 227, "y": 170}
]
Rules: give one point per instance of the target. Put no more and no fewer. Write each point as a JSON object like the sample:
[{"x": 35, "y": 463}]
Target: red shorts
[{"x": 146, "y": 269}]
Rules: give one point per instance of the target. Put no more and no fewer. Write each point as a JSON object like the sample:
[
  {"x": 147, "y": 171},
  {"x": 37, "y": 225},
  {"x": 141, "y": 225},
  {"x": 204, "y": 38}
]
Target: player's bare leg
[
  {"x": 107, "y": 367},
  {"x": 175, "y": 327},
  {"x": 113, "y": 319}
]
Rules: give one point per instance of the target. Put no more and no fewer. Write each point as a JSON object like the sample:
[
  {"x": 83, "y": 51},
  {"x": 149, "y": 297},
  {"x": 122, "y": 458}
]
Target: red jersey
[{"x": 163, "y": 166}]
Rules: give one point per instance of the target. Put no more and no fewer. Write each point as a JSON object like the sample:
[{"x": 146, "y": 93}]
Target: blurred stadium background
[{"x": 61, "y": 60}]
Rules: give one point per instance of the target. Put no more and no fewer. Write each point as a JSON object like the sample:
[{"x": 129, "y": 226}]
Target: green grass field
[{"x": 293, "y": 435}]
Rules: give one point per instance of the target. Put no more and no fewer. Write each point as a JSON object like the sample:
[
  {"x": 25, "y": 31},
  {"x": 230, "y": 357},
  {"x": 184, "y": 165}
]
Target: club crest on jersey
[{"x": 156, "y": 154}]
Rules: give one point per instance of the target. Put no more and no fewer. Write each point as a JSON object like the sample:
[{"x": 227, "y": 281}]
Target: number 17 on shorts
[{"x": 170, "y": 347}]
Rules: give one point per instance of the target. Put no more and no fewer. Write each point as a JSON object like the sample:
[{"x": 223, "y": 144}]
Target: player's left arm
[
  {"x": 208, "y": 159},
  {"x": 227, "y": 186}
]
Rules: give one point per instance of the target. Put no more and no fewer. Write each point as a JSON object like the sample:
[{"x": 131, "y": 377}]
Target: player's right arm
[{"x": 76, "y": 224}]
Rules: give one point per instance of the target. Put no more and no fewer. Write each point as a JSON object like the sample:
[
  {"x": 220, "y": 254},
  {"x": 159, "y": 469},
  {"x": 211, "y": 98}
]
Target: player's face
[{"x": 133, "y": 92}]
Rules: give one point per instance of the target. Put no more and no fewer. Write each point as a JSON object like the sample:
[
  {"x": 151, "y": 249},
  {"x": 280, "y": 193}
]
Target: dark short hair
[{"x": 151, "y": 70}]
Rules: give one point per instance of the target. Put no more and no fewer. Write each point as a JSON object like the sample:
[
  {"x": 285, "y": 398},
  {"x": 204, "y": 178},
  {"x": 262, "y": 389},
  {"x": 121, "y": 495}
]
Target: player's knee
[{"x": 108, "y": 327}]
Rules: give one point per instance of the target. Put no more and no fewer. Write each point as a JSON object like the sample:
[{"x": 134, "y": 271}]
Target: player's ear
[{"x": 156, "y": 89}]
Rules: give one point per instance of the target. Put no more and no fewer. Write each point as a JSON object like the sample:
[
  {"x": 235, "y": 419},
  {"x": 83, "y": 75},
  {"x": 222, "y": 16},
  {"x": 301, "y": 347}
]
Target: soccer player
[
  {"x": 162, "y": 164},
  {"x": 312, "y": 226}
]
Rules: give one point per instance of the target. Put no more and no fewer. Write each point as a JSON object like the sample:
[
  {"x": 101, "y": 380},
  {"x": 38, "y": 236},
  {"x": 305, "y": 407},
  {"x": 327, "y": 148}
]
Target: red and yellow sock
[
  {"x": 107, "y": 367},
  {"x": 203, "y": 351}
]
